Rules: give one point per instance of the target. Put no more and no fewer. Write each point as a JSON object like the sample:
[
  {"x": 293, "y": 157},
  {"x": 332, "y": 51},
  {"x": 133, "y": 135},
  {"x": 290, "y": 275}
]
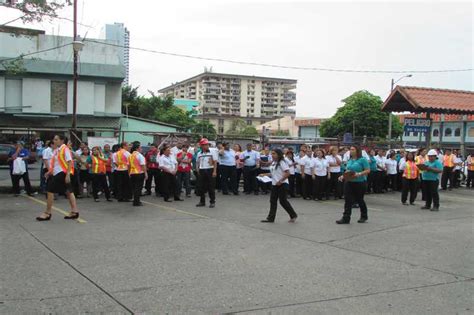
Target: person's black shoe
[
  {"x": 46, "y": 218},
  {"x": 267, "y": 221},
  {"x": 137, "y": 204},
  {"x": 435, "y": 208},
  {"x": 425, "y": 208},
  {"x": 256, "y": 193},
  {"x": 167, "y": 200},
  {"x": 201, "y": 204},
  {"x": 236, "y": 193},
  {"x": 412, "y": 203},
  {"x": 178, "y": 199},
  {"x": 225, "y": 193},
  {"x": 96, "y": 200},
  {"x": 247, "y": 193},
  {"x": 343, "y": 221},
  {"x": 72, "y": 216},
  {"x": 362, "y": 220},
  {"x": 110, "y": 200},
  {"x": 212, "y": 205},
  {"x": 147, "y": 193},
  {"x": 405, "y": 203}
]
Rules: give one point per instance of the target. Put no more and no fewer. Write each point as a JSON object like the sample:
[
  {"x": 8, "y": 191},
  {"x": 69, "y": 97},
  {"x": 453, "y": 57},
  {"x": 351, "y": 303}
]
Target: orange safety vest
[
  {"x": 448, "y": 160},
  {"x": 61, "y": 157},
  {"x": 470, "y": 164},
  {"x": 98, "y": 165},
  {"x": 135, "y": 166},
  {"x": 411, "y": 170},
  {"x": 122, "y": 161}
]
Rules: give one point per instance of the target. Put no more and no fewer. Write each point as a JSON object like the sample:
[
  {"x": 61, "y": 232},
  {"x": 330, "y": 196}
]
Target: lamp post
[
  {"x": 390, "y": 113},
  {"x": 77, "y": 46}
]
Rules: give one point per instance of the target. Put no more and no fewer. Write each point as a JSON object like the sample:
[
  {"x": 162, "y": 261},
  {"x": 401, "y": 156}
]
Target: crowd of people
[{"x": 125, "y": 173}]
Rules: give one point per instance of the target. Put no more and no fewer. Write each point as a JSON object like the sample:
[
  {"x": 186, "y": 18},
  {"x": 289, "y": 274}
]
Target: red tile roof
[{"x": 418, "y": 99}]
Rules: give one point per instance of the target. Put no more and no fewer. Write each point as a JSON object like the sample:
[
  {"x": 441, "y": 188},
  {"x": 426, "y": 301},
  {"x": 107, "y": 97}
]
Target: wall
[
  {"x": 452, "y": 139},
  {"x": 309, "y": 132}
]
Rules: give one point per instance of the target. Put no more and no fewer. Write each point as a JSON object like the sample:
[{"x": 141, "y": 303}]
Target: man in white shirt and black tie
[{"x": 206, "y": 165}]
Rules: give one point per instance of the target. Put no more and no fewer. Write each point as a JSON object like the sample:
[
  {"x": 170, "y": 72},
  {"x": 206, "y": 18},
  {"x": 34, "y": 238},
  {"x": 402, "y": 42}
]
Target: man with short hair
[
  {"x": 448, "y": 170},
  {"x": 228, "y": 171},
  {"x": 183, "y": 176},
  {"x": 153, "y": 169},
  {"x": 251, "y": 160},
  {"x": 206, "y": 164},
  {"x": 19, "y": 155}
]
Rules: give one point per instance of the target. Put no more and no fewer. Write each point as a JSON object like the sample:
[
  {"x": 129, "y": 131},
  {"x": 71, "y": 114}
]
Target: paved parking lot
[{"x": 176, "y": 258}]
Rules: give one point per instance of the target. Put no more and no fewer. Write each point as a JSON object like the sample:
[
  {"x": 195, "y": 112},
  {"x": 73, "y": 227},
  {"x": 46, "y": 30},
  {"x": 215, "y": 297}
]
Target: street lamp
[{"x": 390, "y": 113}]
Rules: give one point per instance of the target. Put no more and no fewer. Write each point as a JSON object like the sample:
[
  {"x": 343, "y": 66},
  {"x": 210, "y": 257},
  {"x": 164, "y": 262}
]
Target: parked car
[{"x": 6, "y": 148}]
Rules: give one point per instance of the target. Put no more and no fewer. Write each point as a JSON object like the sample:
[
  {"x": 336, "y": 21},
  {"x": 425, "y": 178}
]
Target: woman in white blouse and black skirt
[{"x": 279, "y": 171}]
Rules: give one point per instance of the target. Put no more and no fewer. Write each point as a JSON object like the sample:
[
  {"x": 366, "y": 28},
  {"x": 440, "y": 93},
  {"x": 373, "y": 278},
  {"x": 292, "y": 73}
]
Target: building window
[
  {"x": 249, "y": 122},
  {"x": 221, "y": 129},
  {"x": 448, "y": 132},
  {"x": 415, "y": 134},
  {"x": 436, "y": 133},
  {"x": 470, "y": 132},
  {"x": 407, "y": 133},
  {"x": 59, "y": 96},
  {"x": 457, "y": 132},
  {"x": 221, "y": 122}
]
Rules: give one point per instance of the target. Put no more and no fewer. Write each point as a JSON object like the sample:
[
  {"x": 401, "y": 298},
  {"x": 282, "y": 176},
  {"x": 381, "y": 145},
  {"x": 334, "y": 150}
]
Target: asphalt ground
[{"x": 176, "y": 258}]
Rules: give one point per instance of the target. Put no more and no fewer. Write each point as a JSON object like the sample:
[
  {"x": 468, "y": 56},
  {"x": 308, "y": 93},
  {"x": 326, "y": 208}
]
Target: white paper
[{"x": 264, "y": 179}]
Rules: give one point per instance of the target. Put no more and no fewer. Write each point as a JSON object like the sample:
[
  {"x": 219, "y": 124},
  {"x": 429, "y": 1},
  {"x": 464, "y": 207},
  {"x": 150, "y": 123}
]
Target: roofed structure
[{"x": 429, "y": 100}]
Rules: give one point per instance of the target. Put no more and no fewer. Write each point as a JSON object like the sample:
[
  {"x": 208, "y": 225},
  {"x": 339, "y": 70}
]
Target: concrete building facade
[
  {"x": 226, "y": 97},
  {"x": 119, "y": 33},
  {"x": 41, "y": 95},
  {"x": 303, "y": 127}
]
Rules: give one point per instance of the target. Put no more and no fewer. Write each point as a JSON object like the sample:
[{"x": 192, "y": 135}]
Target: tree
[
  {"x": 362, "y": 112},
  {"x": 38, "y": 10},
  {"x": 130, "y": 101},
  {"x": 237, "y": 127},
  {"x": 282, "y": 133},
  {"x": 204, "y": 129},
  {"x": 249, "y": 131}
]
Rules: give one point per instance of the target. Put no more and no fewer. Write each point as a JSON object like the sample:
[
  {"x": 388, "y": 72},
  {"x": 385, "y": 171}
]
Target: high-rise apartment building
[
  {"x": 225, "y": 97},
  {"x": 119, "y": 33}
]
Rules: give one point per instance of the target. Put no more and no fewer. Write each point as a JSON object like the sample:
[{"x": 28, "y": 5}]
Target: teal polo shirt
[
  {"x": 358, "y": 166},
  {"x": 432, "y": 176}
]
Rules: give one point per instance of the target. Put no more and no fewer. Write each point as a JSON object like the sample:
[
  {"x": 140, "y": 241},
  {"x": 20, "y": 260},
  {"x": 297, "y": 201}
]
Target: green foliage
[
  {"x": 37, "y": 10},
  {"x": 282, "y": 133},
  {"x": 240, "y": 129},
  {"x": 204, "y": 129},
  {"x": 364, "y": 109},
  {"x": 249, "y": 131},
  {"x": 13, "y": 67}
]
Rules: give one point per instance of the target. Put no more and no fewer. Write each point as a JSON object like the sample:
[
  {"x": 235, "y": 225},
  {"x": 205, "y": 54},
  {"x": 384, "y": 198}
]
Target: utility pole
[
  {"x": 392, "y": 86},
  {"x": 74, "y": 87}
]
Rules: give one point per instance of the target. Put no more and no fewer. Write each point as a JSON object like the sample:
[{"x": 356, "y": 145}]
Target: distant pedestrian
[
  {"x": 153, "y": 170},
  {"x": 470, "y": 171},
  {"x": 46, "y": 160},
  {"x": 59, "y": 179},
  {"x": 279, "y": 171},
  {"x": 355, "y": 178},
  {"x": 183, "y": 175},
  {"x": 409, "y": 178},
  {"x": 121, "y": 161},
  {"x": 251, "y": 160},
  {"x": 18, "y": 161},
  {"x": 169, "y": 168},
  {"x": 432, "y": 168},
  {"x": 137, "y": 171},
  {"x": 206, "y": 164},
  {"x": 98, "y": 172},
  {"x": 448, "y": 170}
]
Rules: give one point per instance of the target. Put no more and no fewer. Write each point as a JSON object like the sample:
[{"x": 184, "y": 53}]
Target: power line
[
  {"x": 35, "y": 52},
  {"x": 276, "y": 65},
  {"x": 11, "y": 21}
]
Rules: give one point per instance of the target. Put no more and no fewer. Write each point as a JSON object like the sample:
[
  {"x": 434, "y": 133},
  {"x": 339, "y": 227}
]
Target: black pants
[
  {"x": 354, "y": 193},
  {"x": 280, "y": 193},
  {"x": 392, "y": 181},
  {"x": 99, "y": 183},
  {"x": 409, "y": 185},
  {"x": 137, "y": 181},
  {"x": 238, "y": 176},
  {"x": 110, "y": 179},
  {"x": 299, "y": 184},
  {"x": 207, "y": 184},
  {"x": 371, "y": 182},
  {"x": 399, "y": 181},
  {"x": 423, "y": 189},
  {"x": 457, "y": 178},
  {"x": 153, "y": 177},
  {"x": 470, "y": 179},
  {"x": 250, "y": 179},
  {"x": 16, "y": 183},
  {"x": 432, "y": 195},
  {"x": 448, "y": 174},
  {"x": 168, "y": 186},
  {"x": 320, "y": 186},
  {"x": 228, "y": 179},
  {"x": 124, "y": 191},
  {"x": 379, "y": 184},
  {"x": 183, "y": 178},
  {"x": 291, "y": 186},
  {"x": 307, "y": 186},
  {"x": 333, "y": 184}
]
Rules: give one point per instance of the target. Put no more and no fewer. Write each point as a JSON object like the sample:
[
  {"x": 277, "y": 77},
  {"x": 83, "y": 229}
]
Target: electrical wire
[
  {"x": 276, "y": 65},
  {"x": 34, "y": 53},
  {"x": 11, "y": 21}
]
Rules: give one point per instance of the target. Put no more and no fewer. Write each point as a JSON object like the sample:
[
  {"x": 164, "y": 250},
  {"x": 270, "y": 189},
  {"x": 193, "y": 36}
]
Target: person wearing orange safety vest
[
  {"x": 470, "y": 171},
  {"x": 121, "y": 163},
  {"x": 137, "y": 170},
  {"x": 60, "y": 172},
  {"x": 448, "y": 170},
  {"x": 409, "y": 178},
  {"x": 97, "y": 165},
  {"x": 420, "y": 159}
]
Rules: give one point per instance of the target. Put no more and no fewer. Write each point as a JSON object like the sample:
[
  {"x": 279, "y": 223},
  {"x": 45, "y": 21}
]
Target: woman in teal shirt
[
  {"x": 432, "y": 169},
  {"x": 355, "y": 186}
]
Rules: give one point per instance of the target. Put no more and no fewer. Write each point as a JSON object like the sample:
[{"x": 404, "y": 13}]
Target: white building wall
[
  {"x": 13, "y": 95},
  {"x": 2, "y": 94},
  {"x": 36, "y": 96},
  {"x": 243, "y": 97},
  {"x": 113, "y": 98},
  {"x": 99, "y": 98},
  {"x": 258, "y": 98}
]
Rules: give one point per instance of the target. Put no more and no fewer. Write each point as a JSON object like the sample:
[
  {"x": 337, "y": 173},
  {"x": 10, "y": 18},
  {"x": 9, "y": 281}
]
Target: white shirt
[
  {"x": 402, "y": 164},
  {"x": 307, "y": 162},
  {"x": 391, "y": 166},
  {"x": 250, "y": 158},
  {"x": 204, "y": 160},
  {"x": 334, "y": 160},
  {"x": 279, "y": 172},
  {"x": 67, "y": 156},
  {"x": 268, "y": 159},
  {"x": 47, "y": 155},
  {"x": 320, "y": 167},
  {"x": 167, "y": 162},
  {"x": 380, "y": 162},
  {"x": 457, "y": 160},
  {"x": 174, "y": 151},
  {"x": 291, "y": 166},
  {"x": 141, "y": 159},
  {"x": 298, "y": 165}
]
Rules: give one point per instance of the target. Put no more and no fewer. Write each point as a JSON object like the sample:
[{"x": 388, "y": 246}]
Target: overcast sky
[{"x": 372, "y": 35}]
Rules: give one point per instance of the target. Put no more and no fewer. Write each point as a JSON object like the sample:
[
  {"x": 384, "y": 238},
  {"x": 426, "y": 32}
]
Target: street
[{"x": 176, "y": 258}]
